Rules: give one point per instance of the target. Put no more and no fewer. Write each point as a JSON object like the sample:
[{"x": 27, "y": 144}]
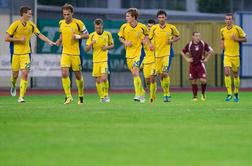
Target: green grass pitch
[{"x": 43, "y": 131}]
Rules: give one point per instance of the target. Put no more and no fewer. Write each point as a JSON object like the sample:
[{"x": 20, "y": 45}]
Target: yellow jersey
[
  {"x": 104, "y": 39},
  {"x": 149, "y": 55},
  {"x": 231, "y": 47},
  {"x": 134, "y": 35},
  {"x": 17, "y": 30},
  {"x": 160, "y": 36},
  {"x": 71, "y": 46}
]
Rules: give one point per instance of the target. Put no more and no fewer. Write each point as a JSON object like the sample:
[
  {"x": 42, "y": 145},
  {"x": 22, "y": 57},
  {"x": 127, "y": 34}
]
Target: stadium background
[
  {"x": 185, "y": 14},
  {"x": 44, "y": 131}
]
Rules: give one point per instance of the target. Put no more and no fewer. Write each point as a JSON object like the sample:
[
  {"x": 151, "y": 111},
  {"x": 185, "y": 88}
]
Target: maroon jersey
[{"x": 196, "y": 51}]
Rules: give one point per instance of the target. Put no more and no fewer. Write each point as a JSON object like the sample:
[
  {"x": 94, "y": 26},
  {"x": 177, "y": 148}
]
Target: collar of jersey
[{"x": 163, "y": 27}]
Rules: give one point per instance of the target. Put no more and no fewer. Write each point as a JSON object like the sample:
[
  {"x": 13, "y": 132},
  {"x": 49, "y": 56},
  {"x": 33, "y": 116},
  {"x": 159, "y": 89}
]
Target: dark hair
[
  {"x": 133, "y": 12},
  {"x": 194, "y": 32},
  {"x": 98, "y": 21},
  {"x": 151, "y": 21},
  {"x": 67, "y": 6},
  {"x": 24, "y": 9},
  {"x": 230, "y": 14},
  {"x": 161, "y": 12}
]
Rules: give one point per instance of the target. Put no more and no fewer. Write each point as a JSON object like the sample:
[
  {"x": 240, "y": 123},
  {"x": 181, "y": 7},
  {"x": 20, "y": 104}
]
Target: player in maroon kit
[{"x": 194, "y": 52}]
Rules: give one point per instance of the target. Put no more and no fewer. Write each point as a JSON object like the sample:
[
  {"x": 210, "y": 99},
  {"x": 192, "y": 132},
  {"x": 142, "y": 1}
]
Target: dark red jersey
[{"x": 197, "y": 51}]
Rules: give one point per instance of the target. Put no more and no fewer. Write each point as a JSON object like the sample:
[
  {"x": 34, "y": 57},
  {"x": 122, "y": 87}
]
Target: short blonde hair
[
  {"x": 133, "y": 12},
  {"x": 67, "y": 6}
]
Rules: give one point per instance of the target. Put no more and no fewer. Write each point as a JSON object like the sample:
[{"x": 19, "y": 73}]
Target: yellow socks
[
  {"x": 165, "y": 83},
  {"x": 236, "y": 84},
  {"x": 168, "y": 81},
  {"x": 100, "y": 90},
  {"x": 13, "y": 82},
  {"x": 66, "y": 86},
  {"x": 136, "y": 85},
  {"x": 142, "y": 91},
  {"x": 106, "y": 87},
  {"x": 139, "y": 90},
  {"x": 153, "y": 89},
  {"x": 23, "y": 87},
  {"x": 228, "y": 84},
  {"x": 80, "y": 86}
]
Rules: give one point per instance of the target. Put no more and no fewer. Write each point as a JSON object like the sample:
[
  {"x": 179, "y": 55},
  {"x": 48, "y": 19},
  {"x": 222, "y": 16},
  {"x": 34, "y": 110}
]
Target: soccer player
[
  {"x": 149, "y": 65},
  {"x": 72, "y": 32},
  {"x": 231, "y": 36},
  {"x": 163, "y": 35},
  {"x": 194, "y": 52},
  {"x": 131, "y": 35},
  {"x": 100, "y": 41},
  {"x": 19, "y": 34}
]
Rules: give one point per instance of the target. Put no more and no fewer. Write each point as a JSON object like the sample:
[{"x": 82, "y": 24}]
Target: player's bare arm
[
  {"x": 81, "y": 36},
  {"x": 84, "y": 35},
  {"x": 208, "y": 55},
  {"x": 45, "y": 39},
  {"x": 173, "y": 40},
  {"x": 59, "y": 41},
  {"x": 147, "y": 40},
  {"x": 126, "y": 43},
  {"x": 88, "y": 47},
  {"x": 104, "y": 48},
  {"x": 186, "y": 57},
  {"x": 151, "y": 46},
  {"x": 222, "y": 44},
  {"x": 238, "y": 39},
  {"x": 8, "y": 38}
]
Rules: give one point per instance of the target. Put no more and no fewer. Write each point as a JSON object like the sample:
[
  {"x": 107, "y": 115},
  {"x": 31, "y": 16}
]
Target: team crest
[
  {"x": 196, "y": 48},
  {"x": 190, "y": 76},
  {"x": 105, "y": 39},
  {"x": 138, "y": 34}
]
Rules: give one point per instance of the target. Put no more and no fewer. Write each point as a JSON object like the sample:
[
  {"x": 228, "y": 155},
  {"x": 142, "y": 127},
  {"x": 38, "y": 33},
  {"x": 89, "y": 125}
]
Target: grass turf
[{"x": 43, "y": 131}]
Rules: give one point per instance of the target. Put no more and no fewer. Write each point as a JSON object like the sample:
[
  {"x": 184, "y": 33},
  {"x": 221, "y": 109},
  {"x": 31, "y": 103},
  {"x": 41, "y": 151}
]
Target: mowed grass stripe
[{"x": 43, "y": 131}]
